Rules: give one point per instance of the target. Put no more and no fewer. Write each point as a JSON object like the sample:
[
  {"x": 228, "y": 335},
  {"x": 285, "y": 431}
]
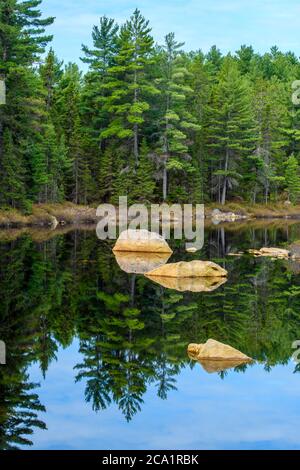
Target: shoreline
[{"x": 51, "y": 216}]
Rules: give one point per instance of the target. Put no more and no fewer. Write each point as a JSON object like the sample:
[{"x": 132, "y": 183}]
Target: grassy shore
[
  {"x": 52, "y": 215},
  {"x": 48, "y": 215},
  {"x": 257, "y": 211}
]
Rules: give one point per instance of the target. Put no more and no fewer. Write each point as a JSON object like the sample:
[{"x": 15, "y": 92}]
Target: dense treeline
[{"x": 147, "y": 120}]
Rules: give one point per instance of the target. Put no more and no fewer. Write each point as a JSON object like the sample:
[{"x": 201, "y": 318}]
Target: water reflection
[
  {"x": 205, "y": 284},
  {"x": 133, "y": 333},
  {"x": 140, "y": 263}
]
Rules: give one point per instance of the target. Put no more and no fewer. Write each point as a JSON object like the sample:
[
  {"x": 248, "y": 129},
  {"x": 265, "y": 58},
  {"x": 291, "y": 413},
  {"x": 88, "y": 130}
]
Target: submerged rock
[
  {"x": 140, "y": 263},
  {"x": 194, "y": 284},
  {"x": 141, "y": 241},
  {"x": 213, "y": 350},
  {"x": 271, "y": 252},
  {"x": 219, "y": 216},
  {"x": 191, "y": 250},
  {"x": 191, "y": 269}
]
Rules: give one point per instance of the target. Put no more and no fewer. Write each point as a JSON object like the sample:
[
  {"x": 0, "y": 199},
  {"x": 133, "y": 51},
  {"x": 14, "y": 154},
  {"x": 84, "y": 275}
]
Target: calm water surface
[{"x": 96, "y": 352}]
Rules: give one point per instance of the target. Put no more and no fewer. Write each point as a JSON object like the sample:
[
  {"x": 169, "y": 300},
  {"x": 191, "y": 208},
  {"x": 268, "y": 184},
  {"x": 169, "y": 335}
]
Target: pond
[{"x": 97, "y": 353}]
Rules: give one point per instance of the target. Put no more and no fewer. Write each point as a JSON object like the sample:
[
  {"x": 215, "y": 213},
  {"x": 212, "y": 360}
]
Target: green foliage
[
  {"x": 292, "y": 178},
  {"x": 148, "y": 121}
]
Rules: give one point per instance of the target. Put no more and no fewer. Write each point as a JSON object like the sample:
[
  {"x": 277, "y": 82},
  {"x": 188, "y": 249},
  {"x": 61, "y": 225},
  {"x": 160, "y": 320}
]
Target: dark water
[{"x": 96, "y": 357}]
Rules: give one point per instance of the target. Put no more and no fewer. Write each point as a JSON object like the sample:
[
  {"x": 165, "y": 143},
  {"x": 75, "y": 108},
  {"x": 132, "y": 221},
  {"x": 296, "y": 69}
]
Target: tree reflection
[{"x": 133, "y": 333}]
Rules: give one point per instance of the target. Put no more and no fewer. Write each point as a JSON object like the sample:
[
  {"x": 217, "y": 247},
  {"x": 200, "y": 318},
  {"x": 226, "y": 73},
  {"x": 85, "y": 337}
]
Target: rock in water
[
  {"x": 215, "y": 351},
  {"x": 140, "y": 263},
  {"x": 191, "y": 250},
  {"x": 192, "y": 269},
  {"x": 188, "y": 284},
  {"x": 142, "y": 241},
  {"x": 272, "y": 252}
]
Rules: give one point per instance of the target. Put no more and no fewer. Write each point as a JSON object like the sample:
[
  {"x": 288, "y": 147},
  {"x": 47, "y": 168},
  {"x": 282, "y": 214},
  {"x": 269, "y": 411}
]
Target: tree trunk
[
  {"x": 224, "y": 192},
  {"x": 136, "y": 145},
  {"x": 266, "y": 194},
  {"x": 136, "y": 127},
  {"x": 165, "y": 182},
  {"x": 76, "y": 181}
]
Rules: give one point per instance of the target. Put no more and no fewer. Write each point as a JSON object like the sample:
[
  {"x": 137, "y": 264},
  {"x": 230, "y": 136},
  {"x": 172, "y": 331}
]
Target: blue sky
[
  {"x": 254, "y": 410},
  {"x": 200, "y": 23}
]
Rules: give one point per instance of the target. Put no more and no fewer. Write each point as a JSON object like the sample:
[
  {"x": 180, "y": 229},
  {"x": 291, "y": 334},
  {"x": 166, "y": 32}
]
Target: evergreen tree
[
  {"x": 11, "y": 174},
  {"x": 22, "y": 41},
  {"x": 51, "y": 74},
  {"x": 129, "y": 88},
  {"x": 292, "y": 179},
  {"x": 231, "y": 133},
  {"x": 177, "y": 121},
  {"x": 99, "y": 59}
]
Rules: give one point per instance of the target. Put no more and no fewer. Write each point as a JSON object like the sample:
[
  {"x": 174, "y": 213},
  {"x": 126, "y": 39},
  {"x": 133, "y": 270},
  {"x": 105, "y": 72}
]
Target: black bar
[{"x": 135, "y": 459}]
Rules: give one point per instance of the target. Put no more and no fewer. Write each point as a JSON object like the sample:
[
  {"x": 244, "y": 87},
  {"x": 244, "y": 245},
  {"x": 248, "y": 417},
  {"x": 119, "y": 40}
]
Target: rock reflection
[
  {"x": 205, "y": 284},
  {"x": 214, "y": 367},
  {"x": 140, "y": 263}
]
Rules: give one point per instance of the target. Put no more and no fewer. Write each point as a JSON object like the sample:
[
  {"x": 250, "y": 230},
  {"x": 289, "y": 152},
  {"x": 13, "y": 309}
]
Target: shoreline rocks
[
  {"x": 271, "y": 252},
  {"x": 219, "y": 216}
]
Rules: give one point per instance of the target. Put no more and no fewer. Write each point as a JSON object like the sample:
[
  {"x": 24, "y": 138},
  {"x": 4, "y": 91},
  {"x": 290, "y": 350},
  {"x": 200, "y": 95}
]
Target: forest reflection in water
[{"x": 133, "y": 332}]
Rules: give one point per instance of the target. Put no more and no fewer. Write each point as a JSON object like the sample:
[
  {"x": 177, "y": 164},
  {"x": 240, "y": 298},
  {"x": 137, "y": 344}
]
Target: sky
[
  {"x": 254, "y": 410},
  {"x": 198, "y": 23}
]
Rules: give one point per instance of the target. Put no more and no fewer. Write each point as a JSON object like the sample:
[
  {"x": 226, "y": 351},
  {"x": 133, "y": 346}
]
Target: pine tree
[
  {"x": 144, "y": 182},
  {"x": 292, "y": 179},
  {"x": 177, "y": 122},
  {"x": 231, "y": 133},
  {"x": 56, "y": 164},
  {"x": 273, "y": 142},
  {"x": 129, "y": 88},
  {"x": 107, "y": 174},
  {"x": 11, "y": 174},
  {"x": 79, "y": 169},
  {"x": 94, "y": 92},
  {"x": 22, "y": 40}
]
